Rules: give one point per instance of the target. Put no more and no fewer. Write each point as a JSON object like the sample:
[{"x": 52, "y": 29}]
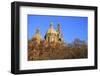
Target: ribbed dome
[{"x": 51, "y": 30}]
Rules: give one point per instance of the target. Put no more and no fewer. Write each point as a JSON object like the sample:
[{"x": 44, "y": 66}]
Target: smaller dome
[{"x": 37, "y": 36}]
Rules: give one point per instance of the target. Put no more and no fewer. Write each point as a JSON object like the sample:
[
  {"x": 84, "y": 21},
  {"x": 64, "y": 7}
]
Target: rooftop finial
[{"x": 51, "y": 24}]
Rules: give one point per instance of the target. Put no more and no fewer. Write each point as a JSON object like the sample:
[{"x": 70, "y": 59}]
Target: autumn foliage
[{"x": 59, "y": 50}]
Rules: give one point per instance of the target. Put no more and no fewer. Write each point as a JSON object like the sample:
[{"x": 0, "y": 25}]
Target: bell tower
[
  {"x": 60, "y": 39},
  {"x": 59, "y": 30}
]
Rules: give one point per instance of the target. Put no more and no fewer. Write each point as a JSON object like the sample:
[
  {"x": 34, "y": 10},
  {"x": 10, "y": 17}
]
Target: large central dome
[
  {"x": 51, "y": 30},
  {"x": 51, "y": 35}
]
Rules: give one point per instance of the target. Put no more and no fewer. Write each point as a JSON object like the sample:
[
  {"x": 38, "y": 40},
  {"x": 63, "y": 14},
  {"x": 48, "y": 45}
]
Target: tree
[{"x": 78, "y": 43}]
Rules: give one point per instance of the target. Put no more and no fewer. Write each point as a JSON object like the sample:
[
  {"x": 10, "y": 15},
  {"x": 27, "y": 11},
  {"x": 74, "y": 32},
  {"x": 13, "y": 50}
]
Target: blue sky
[{"x": 71, "y": 26}]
